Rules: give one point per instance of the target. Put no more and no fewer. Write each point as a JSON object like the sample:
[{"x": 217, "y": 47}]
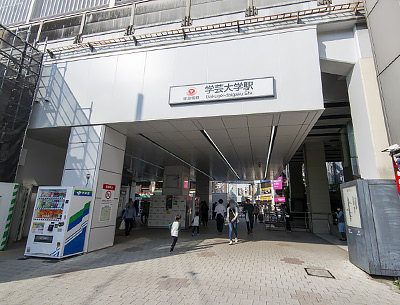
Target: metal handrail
[
  {"x": 297, "y": 215},
  {"x": 354, "y": 6}
]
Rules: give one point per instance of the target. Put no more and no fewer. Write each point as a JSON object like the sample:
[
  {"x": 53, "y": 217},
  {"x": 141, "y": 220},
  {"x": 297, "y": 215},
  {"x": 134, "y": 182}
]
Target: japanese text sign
[{"x": 249, "y": 88}]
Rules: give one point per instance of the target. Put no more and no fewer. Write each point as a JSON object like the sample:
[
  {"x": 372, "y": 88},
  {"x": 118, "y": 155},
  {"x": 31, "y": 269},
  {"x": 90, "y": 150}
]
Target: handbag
[
  {"x": 122, "y": 225},
  {"x": 234, "y": 215}
]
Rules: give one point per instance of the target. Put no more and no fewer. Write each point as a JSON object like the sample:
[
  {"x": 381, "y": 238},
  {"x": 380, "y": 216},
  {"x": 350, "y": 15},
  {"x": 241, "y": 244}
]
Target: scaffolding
[
  {"x": 20, "y": 65},
  {"x": 294, "y": 17}
]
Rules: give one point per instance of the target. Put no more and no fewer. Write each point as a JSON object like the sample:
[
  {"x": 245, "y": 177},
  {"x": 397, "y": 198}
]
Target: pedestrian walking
[
  {"x": 145, "y": 212},
  {"x": 129, "y": 216},
  {"x": 175, "y": 227},
  {"x": 196, "y": 224},
  {"x": 204, "y": 212},
  {"x": 213, "y": 211},
  {"x": 233, "y": 218},
  {"x": 220, "y": 215},
  {"x": 249, "y": 210},
  {"x": 136, "y": 205},
  {"x": 341, "y": 223},
  {"x": 256, "y": 210},
  {"x": 288, "y": 219}
]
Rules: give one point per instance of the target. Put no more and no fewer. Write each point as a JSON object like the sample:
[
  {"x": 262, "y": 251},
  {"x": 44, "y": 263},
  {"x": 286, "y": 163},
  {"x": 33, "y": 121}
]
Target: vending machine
[{"x": 59, "y": 222}]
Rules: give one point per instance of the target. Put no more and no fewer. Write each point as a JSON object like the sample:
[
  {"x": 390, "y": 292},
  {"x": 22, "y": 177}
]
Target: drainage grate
[{"x": 319, "y": 272}]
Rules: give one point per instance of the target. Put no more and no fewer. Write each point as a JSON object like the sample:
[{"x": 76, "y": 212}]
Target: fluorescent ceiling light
[
  {"x": 175, "y": 156},
  {"x": 271, "y": 144},
  {"x": 219, "y": 152}
]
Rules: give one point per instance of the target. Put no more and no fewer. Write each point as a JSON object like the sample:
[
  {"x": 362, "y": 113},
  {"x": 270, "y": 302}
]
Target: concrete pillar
[
  {"x": 203, "y": 188},
  {"x": 368, "y": 121},
  {"x": 95, "y": 159},
  {"x": 176, "y": 180},
  {"x": 297, "y": 200},
  {"x": 318, "y": 200},
  {"x": 346, "y": 158}
]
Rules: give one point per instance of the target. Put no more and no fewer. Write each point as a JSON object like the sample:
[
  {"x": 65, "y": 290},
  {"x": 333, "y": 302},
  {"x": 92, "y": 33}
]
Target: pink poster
[
  {"x": 280, "y": 199},
  {"x": 277, "y": 184}
]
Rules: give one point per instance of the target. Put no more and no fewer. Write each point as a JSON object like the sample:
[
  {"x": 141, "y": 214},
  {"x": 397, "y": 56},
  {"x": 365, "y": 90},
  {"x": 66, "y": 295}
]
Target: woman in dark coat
[{"x": 204, "y": 213}]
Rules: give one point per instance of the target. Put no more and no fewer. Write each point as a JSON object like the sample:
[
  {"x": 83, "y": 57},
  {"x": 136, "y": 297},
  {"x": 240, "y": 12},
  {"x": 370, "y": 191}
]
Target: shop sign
[
  {"x": 280, "y": 199},
  {"x": 82, "y": 193},
  {"x": 277, "y": 184},
  {"x": 220, "y": 91}
]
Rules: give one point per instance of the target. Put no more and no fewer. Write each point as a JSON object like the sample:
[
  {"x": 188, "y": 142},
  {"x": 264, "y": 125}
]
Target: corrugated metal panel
[
  {"x": 12, "y": 11},
  {"x": 45, "y": 8}
]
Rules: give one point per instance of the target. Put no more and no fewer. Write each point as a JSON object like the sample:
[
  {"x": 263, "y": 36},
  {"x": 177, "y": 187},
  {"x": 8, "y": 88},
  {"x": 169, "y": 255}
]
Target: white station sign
[{"x": 214, "y": 92}]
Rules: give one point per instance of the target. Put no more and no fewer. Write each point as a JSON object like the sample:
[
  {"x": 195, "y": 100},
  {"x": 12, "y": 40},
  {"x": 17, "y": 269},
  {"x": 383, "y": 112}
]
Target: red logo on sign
[
  {"x": 108, "y": 187},
  {"x": 191, "y": 91},
  {"x": 108, "y": 195}
]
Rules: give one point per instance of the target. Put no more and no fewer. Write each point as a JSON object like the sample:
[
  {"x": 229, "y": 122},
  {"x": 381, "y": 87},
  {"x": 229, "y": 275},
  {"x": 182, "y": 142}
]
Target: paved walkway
[{"x": 267, "y": 267}]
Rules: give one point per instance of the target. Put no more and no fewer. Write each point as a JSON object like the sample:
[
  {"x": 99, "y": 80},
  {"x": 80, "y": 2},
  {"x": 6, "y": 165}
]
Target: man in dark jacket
[{"x": 249, "y": 210}]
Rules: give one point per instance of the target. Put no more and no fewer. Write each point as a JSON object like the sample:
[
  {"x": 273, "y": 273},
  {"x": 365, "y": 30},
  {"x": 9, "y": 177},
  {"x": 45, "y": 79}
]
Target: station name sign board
[{"x": 220, "y": 91}]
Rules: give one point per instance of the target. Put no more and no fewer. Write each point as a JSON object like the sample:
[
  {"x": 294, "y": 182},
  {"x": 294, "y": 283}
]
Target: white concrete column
[
  {"x": 368, "y": 121},
  {"x": 203, "y": 188},
  {"x": 370, "y": 133},
  {"x": 176, "y": 180},
  {"x": 94, "y": 159},
  {"x": 296, "y": 184},
  {"x": 317, "y": 186}
]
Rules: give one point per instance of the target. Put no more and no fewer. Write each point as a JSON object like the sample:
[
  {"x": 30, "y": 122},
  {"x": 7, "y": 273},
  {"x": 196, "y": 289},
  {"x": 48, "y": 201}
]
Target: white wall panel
[
  {"x": 337, "y": 46},
  {"x": 114, "y": 138},
  {"x": 82, "y": 156},
  {"x": 135, "y": 86},
  {"x": 85, "y": 134},
  {"x": 111, "y": 159}
]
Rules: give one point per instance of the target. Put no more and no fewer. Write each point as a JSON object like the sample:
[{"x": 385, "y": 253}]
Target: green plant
[{"x": 397, "y": 283}]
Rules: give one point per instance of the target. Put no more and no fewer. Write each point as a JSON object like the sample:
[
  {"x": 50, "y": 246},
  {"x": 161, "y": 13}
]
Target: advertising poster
[
  {"x": 37, "y": 227},
  {"x": 279, "y": 200},
  {"x": 277, "y": 184},
  {"x": 186, "y": 182},
  {"x": 266, "y": 188}
]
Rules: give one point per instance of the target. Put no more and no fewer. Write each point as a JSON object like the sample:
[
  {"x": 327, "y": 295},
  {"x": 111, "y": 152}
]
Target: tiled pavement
[{"x": 267, "y": 267}]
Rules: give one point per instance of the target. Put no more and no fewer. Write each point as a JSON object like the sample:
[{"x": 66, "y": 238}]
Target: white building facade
[{"x": 133, "y": 89}]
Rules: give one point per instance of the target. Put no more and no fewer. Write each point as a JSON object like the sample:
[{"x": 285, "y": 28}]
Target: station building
[{"x": 202, "y": 91}]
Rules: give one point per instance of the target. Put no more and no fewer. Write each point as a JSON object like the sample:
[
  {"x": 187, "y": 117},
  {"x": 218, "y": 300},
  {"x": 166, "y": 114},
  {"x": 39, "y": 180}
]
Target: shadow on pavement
[{"x": 144, "y": 244}]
